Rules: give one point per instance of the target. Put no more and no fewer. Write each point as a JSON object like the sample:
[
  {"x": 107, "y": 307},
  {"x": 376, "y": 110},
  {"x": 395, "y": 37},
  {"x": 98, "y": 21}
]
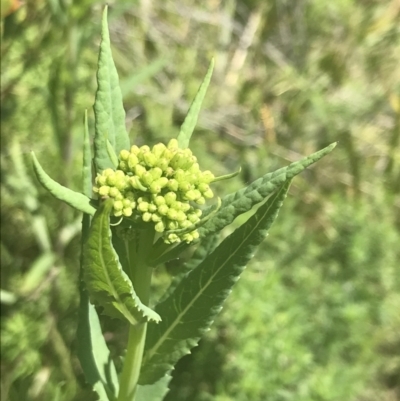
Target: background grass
[{"x": 316, "y": 314}]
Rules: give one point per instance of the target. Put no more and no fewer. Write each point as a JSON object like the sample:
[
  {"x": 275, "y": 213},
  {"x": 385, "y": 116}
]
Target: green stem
[{"x": 141, "y": 278}]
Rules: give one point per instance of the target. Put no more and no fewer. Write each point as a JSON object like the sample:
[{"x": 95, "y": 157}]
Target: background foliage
[{"x": 316, "y": 315}]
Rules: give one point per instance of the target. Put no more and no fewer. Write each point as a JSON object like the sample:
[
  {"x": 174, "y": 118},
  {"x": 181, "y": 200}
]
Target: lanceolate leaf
[
  {"x": 155, "y": 391},
  {"x": 243, "y": 200},
  {"x": 108, "y": 108},
  {"x": 92, "y": 351},
  {"x": 74, "y": 199},
  {"x": 193, "y": 113},
  {"x": 87, "y": 160},
  {"x": 189, "y": 311},
  {"x": 107, "y": 283}
]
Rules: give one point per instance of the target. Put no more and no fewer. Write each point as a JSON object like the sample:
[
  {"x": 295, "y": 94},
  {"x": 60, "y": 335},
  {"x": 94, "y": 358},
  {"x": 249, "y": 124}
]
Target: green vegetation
[{"x": 315, "y": 316}]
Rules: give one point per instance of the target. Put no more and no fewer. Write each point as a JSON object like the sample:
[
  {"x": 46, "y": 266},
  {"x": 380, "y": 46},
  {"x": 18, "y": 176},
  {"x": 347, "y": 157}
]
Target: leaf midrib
[
  {"x": 132, "y": 320},
  {"x": 163, "y": 338}
]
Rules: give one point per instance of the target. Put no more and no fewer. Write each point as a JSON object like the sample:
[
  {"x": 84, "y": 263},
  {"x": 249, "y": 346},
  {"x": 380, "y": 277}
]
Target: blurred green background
[{"x": 316, "y": 315}]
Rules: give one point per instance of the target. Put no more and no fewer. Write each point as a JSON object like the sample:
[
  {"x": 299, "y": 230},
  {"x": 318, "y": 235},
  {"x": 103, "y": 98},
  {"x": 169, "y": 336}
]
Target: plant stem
[{"x": 141, "y": 279}]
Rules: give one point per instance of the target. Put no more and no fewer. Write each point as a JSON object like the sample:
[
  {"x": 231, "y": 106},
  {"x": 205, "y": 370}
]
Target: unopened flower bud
[
  {"x": 156, "y": 172},
  {"x": 143, "y": 206},
  {"x": 172, "y": 214},
  {"x": 173, "y": 144},
  {"x": 135, "y": 149},
  {"x": 201, "y": 201},
  {"x": 139, "y": 170},
  {"x": 101, "y": 180},
  {"x": 124, "y": 155},
  {"x": 127, "y": 211},
  {"x": 173, "y": 184},
  {"x": 158, "y": 150},
  {"x": 163, "y": 210},
  {"x": 150, "y": 159},
  {"x": 159, "y": 200},
  {"x": 114, "y": 192},
  {"x": 208, "y": 194},
  {"x": 152, "y": 207},
  {"x": 146, "y": 178},
  {"x": 104, "y": 190},
  {"x": 146, "y": 216},
  {"x": 155, "y": 217},
  {"x": 132, "y": 161},
  {"x": 170, "y": 198},
  {"x": 108, "y": 171},
  {"x": 207, "y": 176},
  {"x": 159, "y": 227},
  {"x": 118, "y": 205}
]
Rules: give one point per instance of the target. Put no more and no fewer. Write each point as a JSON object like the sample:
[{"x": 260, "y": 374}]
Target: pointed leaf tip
[
  {"x": 72, "y": 198},
  {"x": 189, "y": 124},
  {"x": 107, "y": 283}
]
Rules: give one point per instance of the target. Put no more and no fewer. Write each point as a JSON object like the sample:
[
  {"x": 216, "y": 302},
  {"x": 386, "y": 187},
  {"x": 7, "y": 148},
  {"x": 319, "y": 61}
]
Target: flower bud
[
  {"x": 150, "y": 159},
  {"x": 101, "y": 180},
  {"x": 193, "y": 218},
  {"x": 118, "y": 205},
  {"x": 201, "y": 201},
  {"x": 173, "y": 185},
  {"x": 163, "y": 210},
  {"x": 173, "y": 225},
  {"x": 171, "y": 238},
  {"x": 158, "y": 150},
  {"x": 104, "y": 190},
  {"x": 114, "y": 192},
  {"x": 146, "y": 178},
  {"x": 184, "y": 224},
  {"x": 127, "y": 211},
  {"x": 143, "y": 206},
  {"x": 181, "y": 216},
  {"x": 162, "y": 163},
  {"x": 208, "y": 194},
  {"x": 132, "y": 161},
  {"x": 135, "y": 149},
  {"x": 155, "y": 217},
  {"x": 172, "y": 214},
  {"x": 146, "y": 216},
  {"x": 173, "y": 144},
  {"x": 159, "y": 227},
  {"x": 139, "y": 170},
  {"x": 169, "y": 172},
  {"x": 152, "y": 207},
  {"x": 207, "y": 176},
  {"x": 159, "y": 200},
  {"x": 136, "y": 183},
  {"x": 108, "y": 171},
  {"x": 123, "y": 166},
  {"x": 184, "y": 186},
  {"x": 124, "y": 155},
  {"x": 156, "y": 172},
  {"x": 170, "y": 198}
]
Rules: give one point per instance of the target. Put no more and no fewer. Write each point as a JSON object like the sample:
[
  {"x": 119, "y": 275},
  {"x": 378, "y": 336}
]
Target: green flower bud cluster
[{"x": 162, "y": 185}]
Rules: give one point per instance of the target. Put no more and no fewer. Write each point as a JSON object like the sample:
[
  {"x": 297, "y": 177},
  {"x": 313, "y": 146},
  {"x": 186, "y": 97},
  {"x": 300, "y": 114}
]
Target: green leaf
[
  {"x": 92, "y": 351},
  {"x": 193, "y": 113},
  {"x": 107, "y": 284},
  {"x": 190, "y": 310},
  {"x": 202, "y": 251},
  {"x": 87, "y": 160},
  {"x": 108, "y": 108},
  {"x": 155, "y": 391},
  {"x": 243, "y": 200},
  {"x": 72, "y": 198}
]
